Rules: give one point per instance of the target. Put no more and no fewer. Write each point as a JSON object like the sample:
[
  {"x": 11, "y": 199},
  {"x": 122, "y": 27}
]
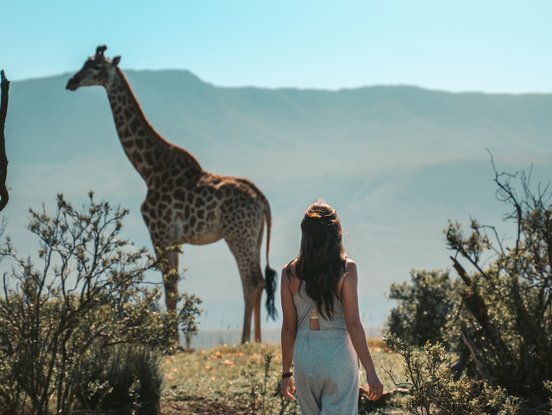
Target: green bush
[
  {"x": 497, "y": 315},
  {"x": 423, "y": 307},
  {"x": 12, "y": 396},
  {"x": 433, "y": 389},
  {"x": 124, "y": 379},
  {"x": 82, "y": 294},
  {"x": 504, "y": 321}
]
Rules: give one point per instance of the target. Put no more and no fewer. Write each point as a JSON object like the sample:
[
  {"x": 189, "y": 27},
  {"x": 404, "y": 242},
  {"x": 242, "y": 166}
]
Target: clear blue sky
[{"x": 483, "y": 45}]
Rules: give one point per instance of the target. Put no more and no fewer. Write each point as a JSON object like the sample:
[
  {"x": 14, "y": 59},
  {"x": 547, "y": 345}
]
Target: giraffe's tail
[
  {"x": 270, "y": 274},
  {"x": 270, "y": 278}
]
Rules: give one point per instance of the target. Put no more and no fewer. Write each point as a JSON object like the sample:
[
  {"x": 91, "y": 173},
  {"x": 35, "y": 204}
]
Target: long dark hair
[{"x": 322, "y": 259}]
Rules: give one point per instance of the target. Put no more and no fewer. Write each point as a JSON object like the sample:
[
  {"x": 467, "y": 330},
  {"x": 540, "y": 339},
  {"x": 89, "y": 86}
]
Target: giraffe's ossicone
[{"x": 184, "y": 203}]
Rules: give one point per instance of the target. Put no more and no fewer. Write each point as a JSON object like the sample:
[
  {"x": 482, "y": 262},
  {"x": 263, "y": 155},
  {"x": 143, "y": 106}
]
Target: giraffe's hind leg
[
  {"x": 248, "y": 261},
  {"x": 257, "y": 312}
]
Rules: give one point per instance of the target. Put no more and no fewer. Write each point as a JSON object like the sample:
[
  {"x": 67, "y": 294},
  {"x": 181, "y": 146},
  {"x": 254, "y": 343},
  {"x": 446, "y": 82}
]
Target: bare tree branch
[{"x": 5, "y": 86}]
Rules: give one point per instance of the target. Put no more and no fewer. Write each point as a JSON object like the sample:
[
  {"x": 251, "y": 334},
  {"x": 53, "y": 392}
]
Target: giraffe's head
[{"x": 97, "y": 70}]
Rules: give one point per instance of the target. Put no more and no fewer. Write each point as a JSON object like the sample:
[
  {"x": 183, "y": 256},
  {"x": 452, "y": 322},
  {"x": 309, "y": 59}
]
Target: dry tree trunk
[{"x": 4, "y": 196}]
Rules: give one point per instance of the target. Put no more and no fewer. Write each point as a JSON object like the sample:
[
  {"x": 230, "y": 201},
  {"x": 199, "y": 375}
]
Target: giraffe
[{"x": 185, "y": 204}]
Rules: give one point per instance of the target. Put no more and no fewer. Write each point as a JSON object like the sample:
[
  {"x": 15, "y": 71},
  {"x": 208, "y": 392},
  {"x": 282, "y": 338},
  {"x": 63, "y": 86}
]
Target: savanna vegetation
[
  {"x": 79, "y": 329},
  {"x": 81, "y": 333},
  {"x": 244, "y": 379},
  {"x": 481, "y": 342}
]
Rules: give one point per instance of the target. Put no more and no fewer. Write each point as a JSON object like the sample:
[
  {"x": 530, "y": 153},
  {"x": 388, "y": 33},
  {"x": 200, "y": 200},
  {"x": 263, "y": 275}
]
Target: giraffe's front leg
[
  {"x": 168, "y": 257},
  {"x": 167, "y": 254}
]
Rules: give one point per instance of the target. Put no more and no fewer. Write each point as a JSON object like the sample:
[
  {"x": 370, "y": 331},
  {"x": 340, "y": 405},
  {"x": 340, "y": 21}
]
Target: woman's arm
[
  {"x": 289, "y": 331},
  {"x": 349, "y": 298}
]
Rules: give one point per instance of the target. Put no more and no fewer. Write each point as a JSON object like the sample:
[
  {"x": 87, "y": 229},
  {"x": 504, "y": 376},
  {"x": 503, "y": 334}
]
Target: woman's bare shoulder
[
  {"x": 290, "y": 278},
  {"x": 290, "y": 266},
  {"x": 350, "y": 266},
  {"x": 350, "y": 273},
  {"x": 288, "y": 270},
  {"x": 350, "y": 261}
]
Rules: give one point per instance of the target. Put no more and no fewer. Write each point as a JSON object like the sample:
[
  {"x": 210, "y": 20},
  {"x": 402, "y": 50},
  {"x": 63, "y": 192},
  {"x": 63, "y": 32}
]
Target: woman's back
[{"x": 307, "y": 312}]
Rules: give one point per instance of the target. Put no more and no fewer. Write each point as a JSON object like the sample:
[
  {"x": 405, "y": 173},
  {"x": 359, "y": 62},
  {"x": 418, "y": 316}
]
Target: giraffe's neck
[{"x": 145, "y": 148}]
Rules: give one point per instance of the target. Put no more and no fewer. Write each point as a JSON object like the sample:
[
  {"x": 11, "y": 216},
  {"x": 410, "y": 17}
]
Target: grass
[{"x": 243, "y": 379}]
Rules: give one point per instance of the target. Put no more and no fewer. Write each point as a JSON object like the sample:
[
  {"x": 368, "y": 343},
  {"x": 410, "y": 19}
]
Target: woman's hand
[
  {"x": 287, "y": 387},
  {"x": 375, "y": 387}
]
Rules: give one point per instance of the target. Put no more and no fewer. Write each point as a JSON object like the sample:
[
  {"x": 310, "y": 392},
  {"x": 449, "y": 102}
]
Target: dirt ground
[{"x": 199, "y": 406}]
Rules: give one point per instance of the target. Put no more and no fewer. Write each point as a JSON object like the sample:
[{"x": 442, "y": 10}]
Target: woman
[{"x": 322, "y": 332}]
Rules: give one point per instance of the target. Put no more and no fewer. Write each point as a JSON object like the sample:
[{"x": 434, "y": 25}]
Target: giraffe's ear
[{"x": 116, "y": 60}]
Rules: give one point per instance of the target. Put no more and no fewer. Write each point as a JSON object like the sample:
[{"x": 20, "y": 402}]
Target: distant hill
[{"x": 396, "y": 161}]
